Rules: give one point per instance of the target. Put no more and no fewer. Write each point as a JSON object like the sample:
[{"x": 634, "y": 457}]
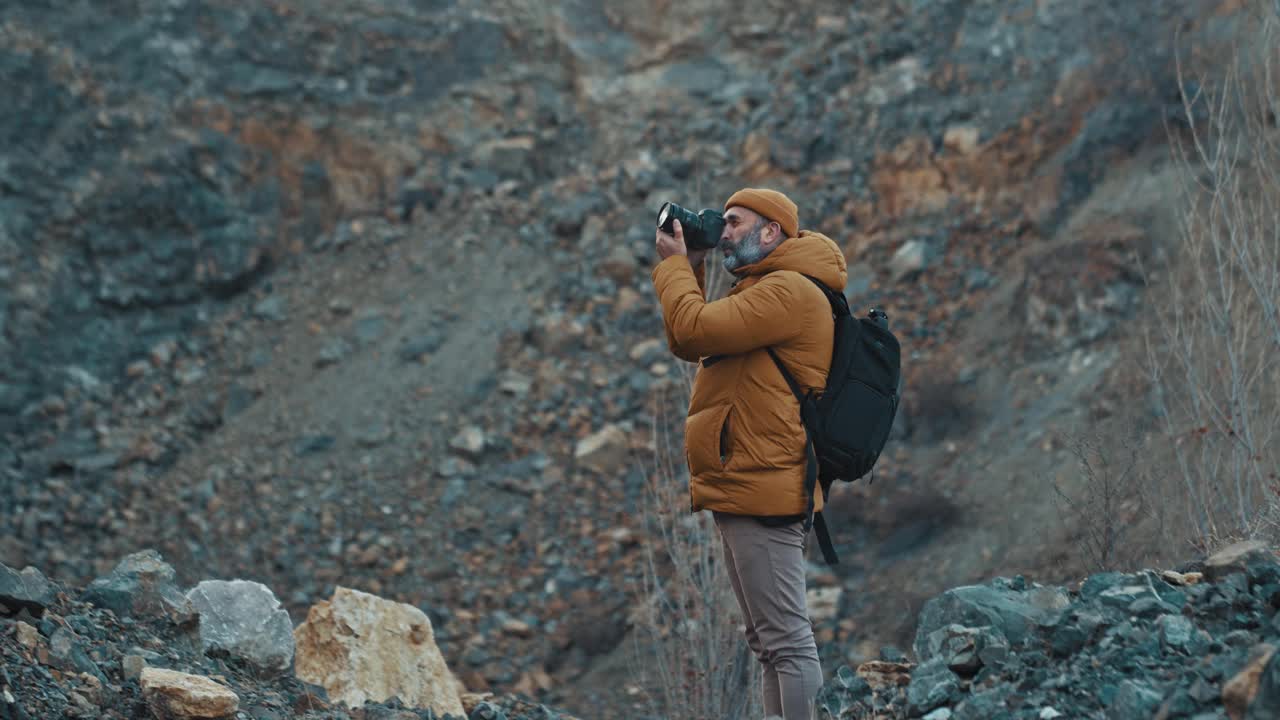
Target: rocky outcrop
[
  {"x": 362, "y": 648},
  {"x": 142, "y": 586},
  {"x": 1121, "y": 645},
  {"x": 79, "y": 660},
  {"x": 232, "y": 277}
]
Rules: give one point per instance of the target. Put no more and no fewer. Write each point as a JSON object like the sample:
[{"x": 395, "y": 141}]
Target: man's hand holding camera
[{"x": 673, "y": 244}]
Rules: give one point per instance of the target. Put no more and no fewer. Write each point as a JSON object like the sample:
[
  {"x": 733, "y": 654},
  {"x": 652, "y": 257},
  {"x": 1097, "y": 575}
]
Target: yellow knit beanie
[{"x": 772, "y": 204}]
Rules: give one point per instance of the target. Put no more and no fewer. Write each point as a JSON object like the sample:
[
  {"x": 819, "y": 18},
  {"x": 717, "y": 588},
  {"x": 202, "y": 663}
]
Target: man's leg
[
  {"x": 770, "y": 565},
  {"x": 729, "y": 533}
]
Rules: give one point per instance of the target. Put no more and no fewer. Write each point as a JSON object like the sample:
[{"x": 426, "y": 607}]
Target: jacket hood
[{"x": 809, "y": 253}]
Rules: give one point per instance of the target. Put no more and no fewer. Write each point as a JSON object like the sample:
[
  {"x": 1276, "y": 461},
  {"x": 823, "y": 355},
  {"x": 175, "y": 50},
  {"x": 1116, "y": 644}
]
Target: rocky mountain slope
[
  {"x": 352, "y": 293},
  {"x": 1194, "y": 644}
]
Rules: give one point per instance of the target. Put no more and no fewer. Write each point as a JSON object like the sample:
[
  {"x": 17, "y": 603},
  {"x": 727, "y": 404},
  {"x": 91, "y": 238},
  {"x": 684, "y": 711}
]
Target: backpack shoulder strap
[
  {"x": 786, "y": 375},
  {"x": 811, "y": 519},
  {"x": 839, "y": 303}
]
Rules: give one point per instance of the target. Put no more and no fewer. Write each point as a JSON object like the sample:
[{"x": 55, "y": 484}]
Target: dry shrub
[
  {"x": 1214, "y": 347},
  {"x": 693, "y": 659},
  {"x": 1109, "y": 504}
]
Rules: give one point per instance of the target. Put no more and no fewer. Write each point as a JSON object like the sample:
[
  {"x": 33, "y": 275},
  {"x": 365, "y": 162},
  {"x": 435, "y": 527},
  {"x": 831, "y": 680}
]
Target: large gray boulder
[
  {"x": 142, "y": 586},
  {"x": 27, "y": 590},
  {"x": 1008, "y": 607},
  {"x": 243, "y": 620}
]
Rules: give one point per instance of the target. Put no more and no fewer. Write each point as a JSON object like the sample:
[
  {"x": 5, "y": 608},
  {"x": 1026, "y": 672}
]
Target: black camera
[{"x": 701, "y": 231}]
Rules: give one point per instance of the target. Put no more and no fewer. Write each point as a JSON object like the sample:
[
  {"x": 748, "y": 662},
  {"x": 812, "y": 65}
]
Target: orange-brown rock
[
  {"x": 1240, "y": 690},
  {"x": 174, "y": 695},
  {"x": 362, "y": 648}
]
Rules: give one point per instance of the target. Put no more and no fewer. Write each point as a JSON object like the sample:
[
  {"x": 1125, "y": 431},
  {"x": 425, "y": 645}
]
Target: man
[{"x": 744, "y": 443}]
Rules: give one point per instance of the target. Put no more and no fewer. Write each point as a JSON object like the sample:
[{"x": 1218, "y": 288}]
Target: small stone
[
  {"x": 619, "y": 265},
  {"x": 1176, "y": 631},
  {"x": 1177, "y": 578},
  {"x": 370, "y": 326},
  {"x": 67, "y": 652},
  {"x": 415, "y": 349},
  {"x": 452, "y": 467},
  {"x": 470, "y": 441},
  {"x": 513, "y": 383},
  {"x": 28, "y": 636},
  {"x": 962, "y": 139},
  {"x": 1239, "y": 638},
  {"x": 179, "y": 695},
  {"x": 1238, "y": 692},
  {"x": 333, "y": 352},
  {"x": 1133, "y": 699},
  {"x": 26, "y": 590},
  {"x": 269, "y": 308},
  {"x": 1148, "y": 607},
  {"x": 977, "y": 278},
  {"x": 310, "y": 444},
  {"x": 965, "y": 649},
  {"x": 605, "y": 451},
  {"x": 556, "y": 333},
  {"x": 939, "y": 714},
  {"x": 162, "y": 353},
  {"x": 1202, "y": 691},
  {"x": 373, "y": 435},
  {"x": 1067, "y": 640},
  {"x": 132, "y": 666},
  {"x": 486, "y": 711},
  {"x": 910, "y": 259},
  {"x": 518, "y": 628},
  {"x": 84, "y": 708},
  {"x": 1049, "y": 713},
  {"x": 854, "y": 684},
  {"x": 142, "y": 585},
  {"x": 646, "y": 349},
  {"x": 932, "y": 685},
  {"x": 824, "y": 603},
  {"x": 628, "y": 301},
  {"x": 1122, "y": 597}
]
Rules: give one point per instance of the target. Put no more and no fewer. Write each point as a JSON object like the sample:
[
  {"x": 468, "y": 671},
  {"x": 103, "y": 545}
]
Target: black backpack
[{"x": 848, "y": 425}]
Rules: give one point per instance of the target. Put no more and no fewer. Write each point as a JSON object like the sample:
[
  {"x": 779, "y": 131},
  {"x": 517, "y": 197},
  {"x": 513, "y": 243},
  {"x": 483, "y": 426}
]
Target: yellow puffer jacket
[{"x": 744, "y": 443}]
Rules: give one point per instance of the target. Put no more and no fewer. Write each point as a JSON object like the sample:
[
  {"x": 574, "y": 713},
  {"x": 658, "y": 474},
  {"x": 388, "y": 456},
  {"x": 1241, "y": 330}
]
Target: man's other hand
[{"x": 669, "y": 245}]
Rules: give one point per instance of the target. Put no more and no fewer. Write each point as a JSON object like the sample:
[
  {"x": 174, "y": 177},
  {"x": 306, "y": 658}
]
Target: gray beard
[{"x": 747, "y": 252}]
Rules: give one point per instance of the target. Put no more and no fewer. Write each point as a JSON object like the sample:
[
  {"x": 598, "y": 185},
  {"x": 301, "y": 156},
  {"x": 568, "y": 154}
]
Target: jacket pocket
[{"x": 702, "y": 433}]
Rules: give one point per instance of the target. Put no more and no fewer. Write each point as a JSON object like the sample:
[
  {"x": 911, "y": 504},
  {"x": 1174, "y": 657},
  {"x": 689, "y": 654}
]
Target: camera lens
[{"x": 663, "y": 214}]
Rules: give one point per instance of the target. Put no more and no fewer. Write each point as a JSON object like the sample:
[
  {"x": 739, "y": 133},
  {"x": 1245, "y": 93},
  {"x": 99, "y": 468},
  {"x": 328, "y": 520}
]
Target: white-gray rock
[
  {"x": 469, "y": 441},
  {"x": 244, "y": 620},
  {"x": 605, "y": 451},
  {"x": 911, "y": 258}
]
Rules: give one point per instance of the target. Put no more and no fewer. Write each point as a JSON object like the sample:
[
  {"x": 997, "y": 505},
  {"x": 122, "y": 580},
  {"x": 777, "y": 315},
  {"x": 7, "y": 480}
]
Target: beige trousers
[{"x": 766, "y": 567}]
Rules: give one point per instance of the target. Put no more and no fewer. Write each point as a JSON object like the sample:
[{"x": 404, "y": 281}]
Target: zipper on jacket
[{"x": 726, "y": 438}]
